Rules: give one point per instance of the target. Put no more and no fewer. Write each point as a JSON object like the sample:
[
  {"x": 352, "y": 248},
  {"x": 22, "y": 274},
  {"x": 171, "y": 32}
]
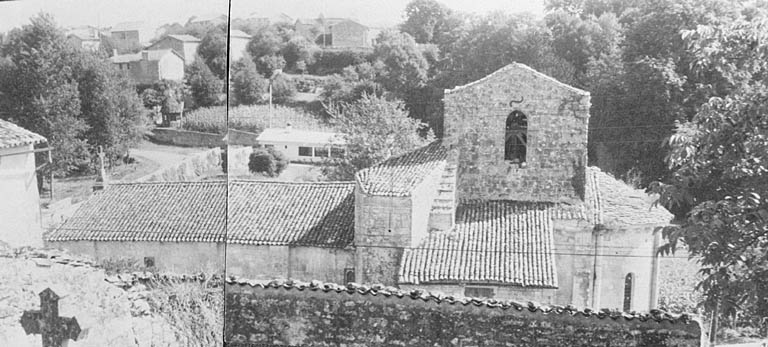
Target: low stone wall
[
  {"x": 190, "y": 169},
  {"x": 241, "y": 138},
  {"x": 186, "y": 138},
  {"x": 318, "y": 314}
]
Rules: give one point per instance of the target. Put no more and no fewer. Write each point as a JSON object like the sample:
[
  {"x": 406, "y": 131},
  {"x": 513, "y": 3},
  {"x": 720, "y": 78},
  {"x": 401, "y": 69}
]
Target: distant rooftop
[
  {"x": 152, "y": 55},
  {"x": 185, "y": 38},
  {"x": 238, "y": 33},
  {"x": 128, "y": 26}
]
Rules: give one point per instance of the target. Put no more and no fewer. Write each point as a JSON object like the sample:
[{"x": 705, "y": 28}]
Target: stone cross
[{"x": 46, "y": 322}]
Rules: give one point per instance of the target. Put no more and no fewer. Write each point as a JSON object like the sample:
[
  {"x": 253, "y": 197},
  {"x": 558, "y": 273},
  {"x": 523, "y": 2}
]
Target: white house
[
  {"x": 20, "y": 203},
  {"x": 147, "y": 67},
  {"x": 238, "y": 41},
  {"x": 302, "y": 145}
]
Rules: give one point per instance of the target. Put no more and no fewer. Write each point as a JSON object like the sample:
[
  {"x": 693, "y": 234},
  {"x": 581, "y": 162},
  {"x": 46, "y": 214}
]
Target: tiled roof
[
  {"x": 128, "y": 26},
  {"x": 286, "y": 213},
  {"x": 610, "y": 201},
  {"x": 654, "y": 316},
  {"x": 398, "y": 176},
  {"x": 521, "y": 67},
  {"x": 248, "y": 212},
  {"x": 185, "y": 38},
  {"x": 504, "y": 242},
  {"x": 12, "y": 135},
  {"x": 166, "y": 211},
  {"x": 238, "y": 33},
  {"x": 300, "y": 136}
]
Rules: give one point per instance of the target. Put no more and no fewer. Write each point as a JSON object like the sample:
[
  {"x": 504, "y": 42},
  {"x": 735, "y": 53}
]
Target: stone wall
[
  {"x": 191, "y": 168},
  {"x": 282, "y": 262},
  {"x": 237, "y": 160},
  {"x": 186, "y": 138},
  {"x": 349, "y": 34},
  {"x": 382, "y": 229},
  {"x": 317, "y": 314},
  {"x": 475, "y": 122},
  {"x": 241, "y": 138}
]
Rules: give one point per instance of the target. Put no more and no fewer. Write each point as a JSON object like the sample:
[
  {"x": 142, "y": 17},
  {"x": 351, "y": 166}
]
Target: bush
[
  {"x": 283, "y": 89},
  {"x": 328, "y": 62},
  {"x": 267, "y": 161}
]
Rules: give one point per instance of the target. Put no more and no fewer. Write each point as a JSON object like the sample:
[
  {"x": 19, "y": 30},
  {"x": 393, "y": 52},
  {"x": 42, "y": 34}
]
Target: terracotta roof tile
[
  {"x": 398, "y": 176},
  {"x": 166, "y": 211},
  {"x": 12, "y": 135},
  {"x": 610, "y": 201},
  {"x": 260, "y": 213},
  {"x": 286, "y": 213},
  {"x": 654, "y": 316},
  {"x": 504, "y": 242}
]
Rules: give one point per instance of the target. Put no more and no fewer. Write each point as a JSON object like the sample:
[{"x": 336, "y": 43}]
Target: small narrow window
[
  {"x": 628, "y": 292},
  {"x": 516, "y": 137},
  {"x": 149, "y": 261},
  {"x": 269, "y": 146},
  {"x": 349, "y": 275},
  {"x": 305, "y": 151}
]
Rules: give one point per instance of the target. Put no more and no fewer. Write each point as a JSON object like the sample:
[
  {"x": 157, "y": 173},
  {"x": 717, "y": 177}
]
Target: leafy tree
[
  {"x": 204, "y": 86},
  {"x": 269, "y": 63},
  {"x": 283, "y": 89},
  {"x": 265, "y": 42},
  {"x": 423, "y": 18},
  {"x": 268, "y": 161},
  {"x": 248, "y": 86},
  {"x": 213, "y": 50},
  {"x": 405, "y": 68},
  {"x": 374, "y": 129},
  {"x": 718, "y": 158},
  {"x": 299, "y": 51},
  {"x": 39, "y": 91}
]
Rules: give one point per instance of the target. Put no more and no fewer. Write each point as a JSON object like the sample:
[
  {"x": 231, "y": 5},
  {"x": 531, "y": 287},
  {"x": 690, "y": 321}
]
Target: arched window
[
  {"x": 628, "y": 282},
  {"x": 516, "y": 137},
  {"x": 349, "y": 275}
]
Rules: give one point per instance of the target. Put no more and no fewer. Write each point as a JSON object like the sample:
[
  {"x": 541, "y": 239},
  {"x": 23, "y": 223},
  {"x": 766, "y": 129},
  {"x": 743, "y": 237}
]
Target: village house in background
[
  {"x": 211, "y": 19},
  {"x": 184, "y": 45},
  {"x": 147, "y": 67},
  {"x": 333, "y": 32},
  {"x": 238, "y": 42},
  {"x": 86, "y": 37},
  {"x": 503, "y": 206},
  {"x": 20, "y": 202},
  {"x": 302, "y": 145},
  {"x": 129, "y": 36}
]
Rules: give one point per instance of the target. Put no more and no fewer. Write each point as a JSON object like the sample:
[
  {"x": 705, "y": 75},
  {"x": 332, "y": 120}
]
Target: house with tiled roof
[
  {"x": 238, "y": 42},
  {"x": 268, "y": 229},
  {"x": 150, "y": 66},
  {"x": 333, "y": 32},
  {"x": 130, "y": 36},
  {"x": 86, "y": 37},
  {"x": 184, "y": 45},
  {"x": 20, "y": 207}
]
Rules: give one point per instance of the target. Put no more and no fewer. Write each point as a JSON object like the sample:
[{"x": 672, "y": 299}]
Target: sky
[{"x": 105, "y": 13}]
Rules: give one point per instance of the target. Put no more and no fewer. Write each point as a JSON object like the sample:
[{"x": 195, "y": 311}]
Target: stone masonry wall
[
  {"x": 382, "y": 229},
  {"x": 325, "y": 315},
  {"x": 475, "y": 121},
  {"x": 187, "y": 138}
]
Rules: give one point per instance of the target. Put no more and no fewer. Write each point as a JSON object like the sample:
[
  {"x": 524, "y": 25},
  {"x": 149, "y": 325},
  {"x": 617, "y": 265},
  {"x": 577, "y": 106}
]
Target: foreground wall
[
  {"x": 317, "y": 314},
  {"x": 20, "y": 203}
]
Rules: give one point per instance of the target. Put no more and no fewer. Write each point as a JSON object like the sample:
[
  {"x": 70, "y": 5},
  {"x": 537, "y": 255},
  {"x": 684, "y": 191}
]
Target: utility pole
[{"x": 275, "y": 73}]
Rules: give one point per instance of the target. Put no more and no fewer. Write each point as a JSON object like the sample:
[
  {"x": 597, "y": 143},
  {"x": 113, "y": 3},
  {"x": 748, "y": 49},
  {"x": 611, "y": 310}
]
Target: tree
[
  {"x": 374, "y": 129},
  {"x": 265, "y": 42},
  {"x": 299, "y": 52},
  {"x": 213, "y": 50},
  {"x": 39, "y": 91},
  {"x": 248, "y": 86},
  {"x": 718, "y": 186},
  {"x": 267, "y": 161},
  {"x": 423, "y": 18},
  {"x": 405, "y": 68},
  {"x": 283, "y": 89},
  {"x": 269, "y": 63},
  {"x": 204, "y": 86}
]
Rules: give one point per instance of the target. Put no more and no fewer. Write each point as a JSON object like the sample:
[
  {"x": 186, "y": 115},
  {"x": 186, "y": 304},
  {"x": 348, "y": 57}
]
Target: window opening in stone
[
  {"x": 349, "y": 275},
  {"x": 149, "y": 261},
  {"x": 516, "y": 137},
  {"x": 628, "y": 292}
]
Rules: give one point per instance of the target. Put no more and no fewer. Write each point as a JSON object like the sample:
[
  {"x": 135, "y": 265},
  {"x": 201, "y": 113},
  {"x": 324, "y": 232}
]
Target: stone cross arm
[{"x": 55, "y": 330}]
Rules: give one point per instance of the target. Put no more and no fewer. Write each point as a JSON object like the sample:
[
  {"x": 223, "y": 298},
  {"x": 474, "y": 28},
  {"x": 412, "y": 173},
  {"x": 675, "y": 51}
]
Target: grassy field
[{"x": 251, "y": 118}]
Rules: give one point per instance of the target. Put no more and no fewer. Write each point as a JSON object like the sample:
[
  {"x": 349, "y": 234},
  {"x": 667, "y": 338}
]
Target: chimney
[
  {"x": 101, "y": 180},
  {"x": 144, "y": 55}
]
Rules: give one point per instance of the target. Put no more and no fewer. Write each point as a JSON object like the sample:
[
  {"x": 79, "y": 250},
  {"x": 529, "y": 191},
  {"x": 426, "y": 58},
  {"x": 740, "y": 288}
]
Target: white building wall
[
  {"x": 237, "y": 47},
  {"x": 291, "y": 150},
  {"x": 171, "y": 67},
  {"x": 20, "y": 223}
]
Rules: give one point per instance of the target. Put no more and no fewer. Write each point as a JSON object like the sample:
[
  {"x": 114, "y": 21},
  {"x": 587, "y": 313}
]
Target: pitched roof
[
  {"x": 519, "y": 67},
  {"x": 398, "y": 176},
  {"x": 297, "y": 135},
  {"x": 12, "y": 135},
  {"x": 152, "y": 55},
  {"x": 238, "y": 33},
  {"x": 185, "y": 38},
  {"x": 498, "y": 242},
  {"x": 246, "y": 212},
  {"x": 128, "y": 26},
  {"x": 287, "y": 213},
  {"x": 391, "y": 293},
  {"x": 610, "y": 201},
  {"x": 165, "y": 211}
]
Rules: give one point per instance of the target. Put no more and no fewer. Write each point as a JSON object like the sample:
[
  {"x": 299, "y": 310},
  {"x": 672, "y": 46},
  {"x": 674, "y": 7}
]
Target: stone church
[{"x": 504, "y": 206}]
